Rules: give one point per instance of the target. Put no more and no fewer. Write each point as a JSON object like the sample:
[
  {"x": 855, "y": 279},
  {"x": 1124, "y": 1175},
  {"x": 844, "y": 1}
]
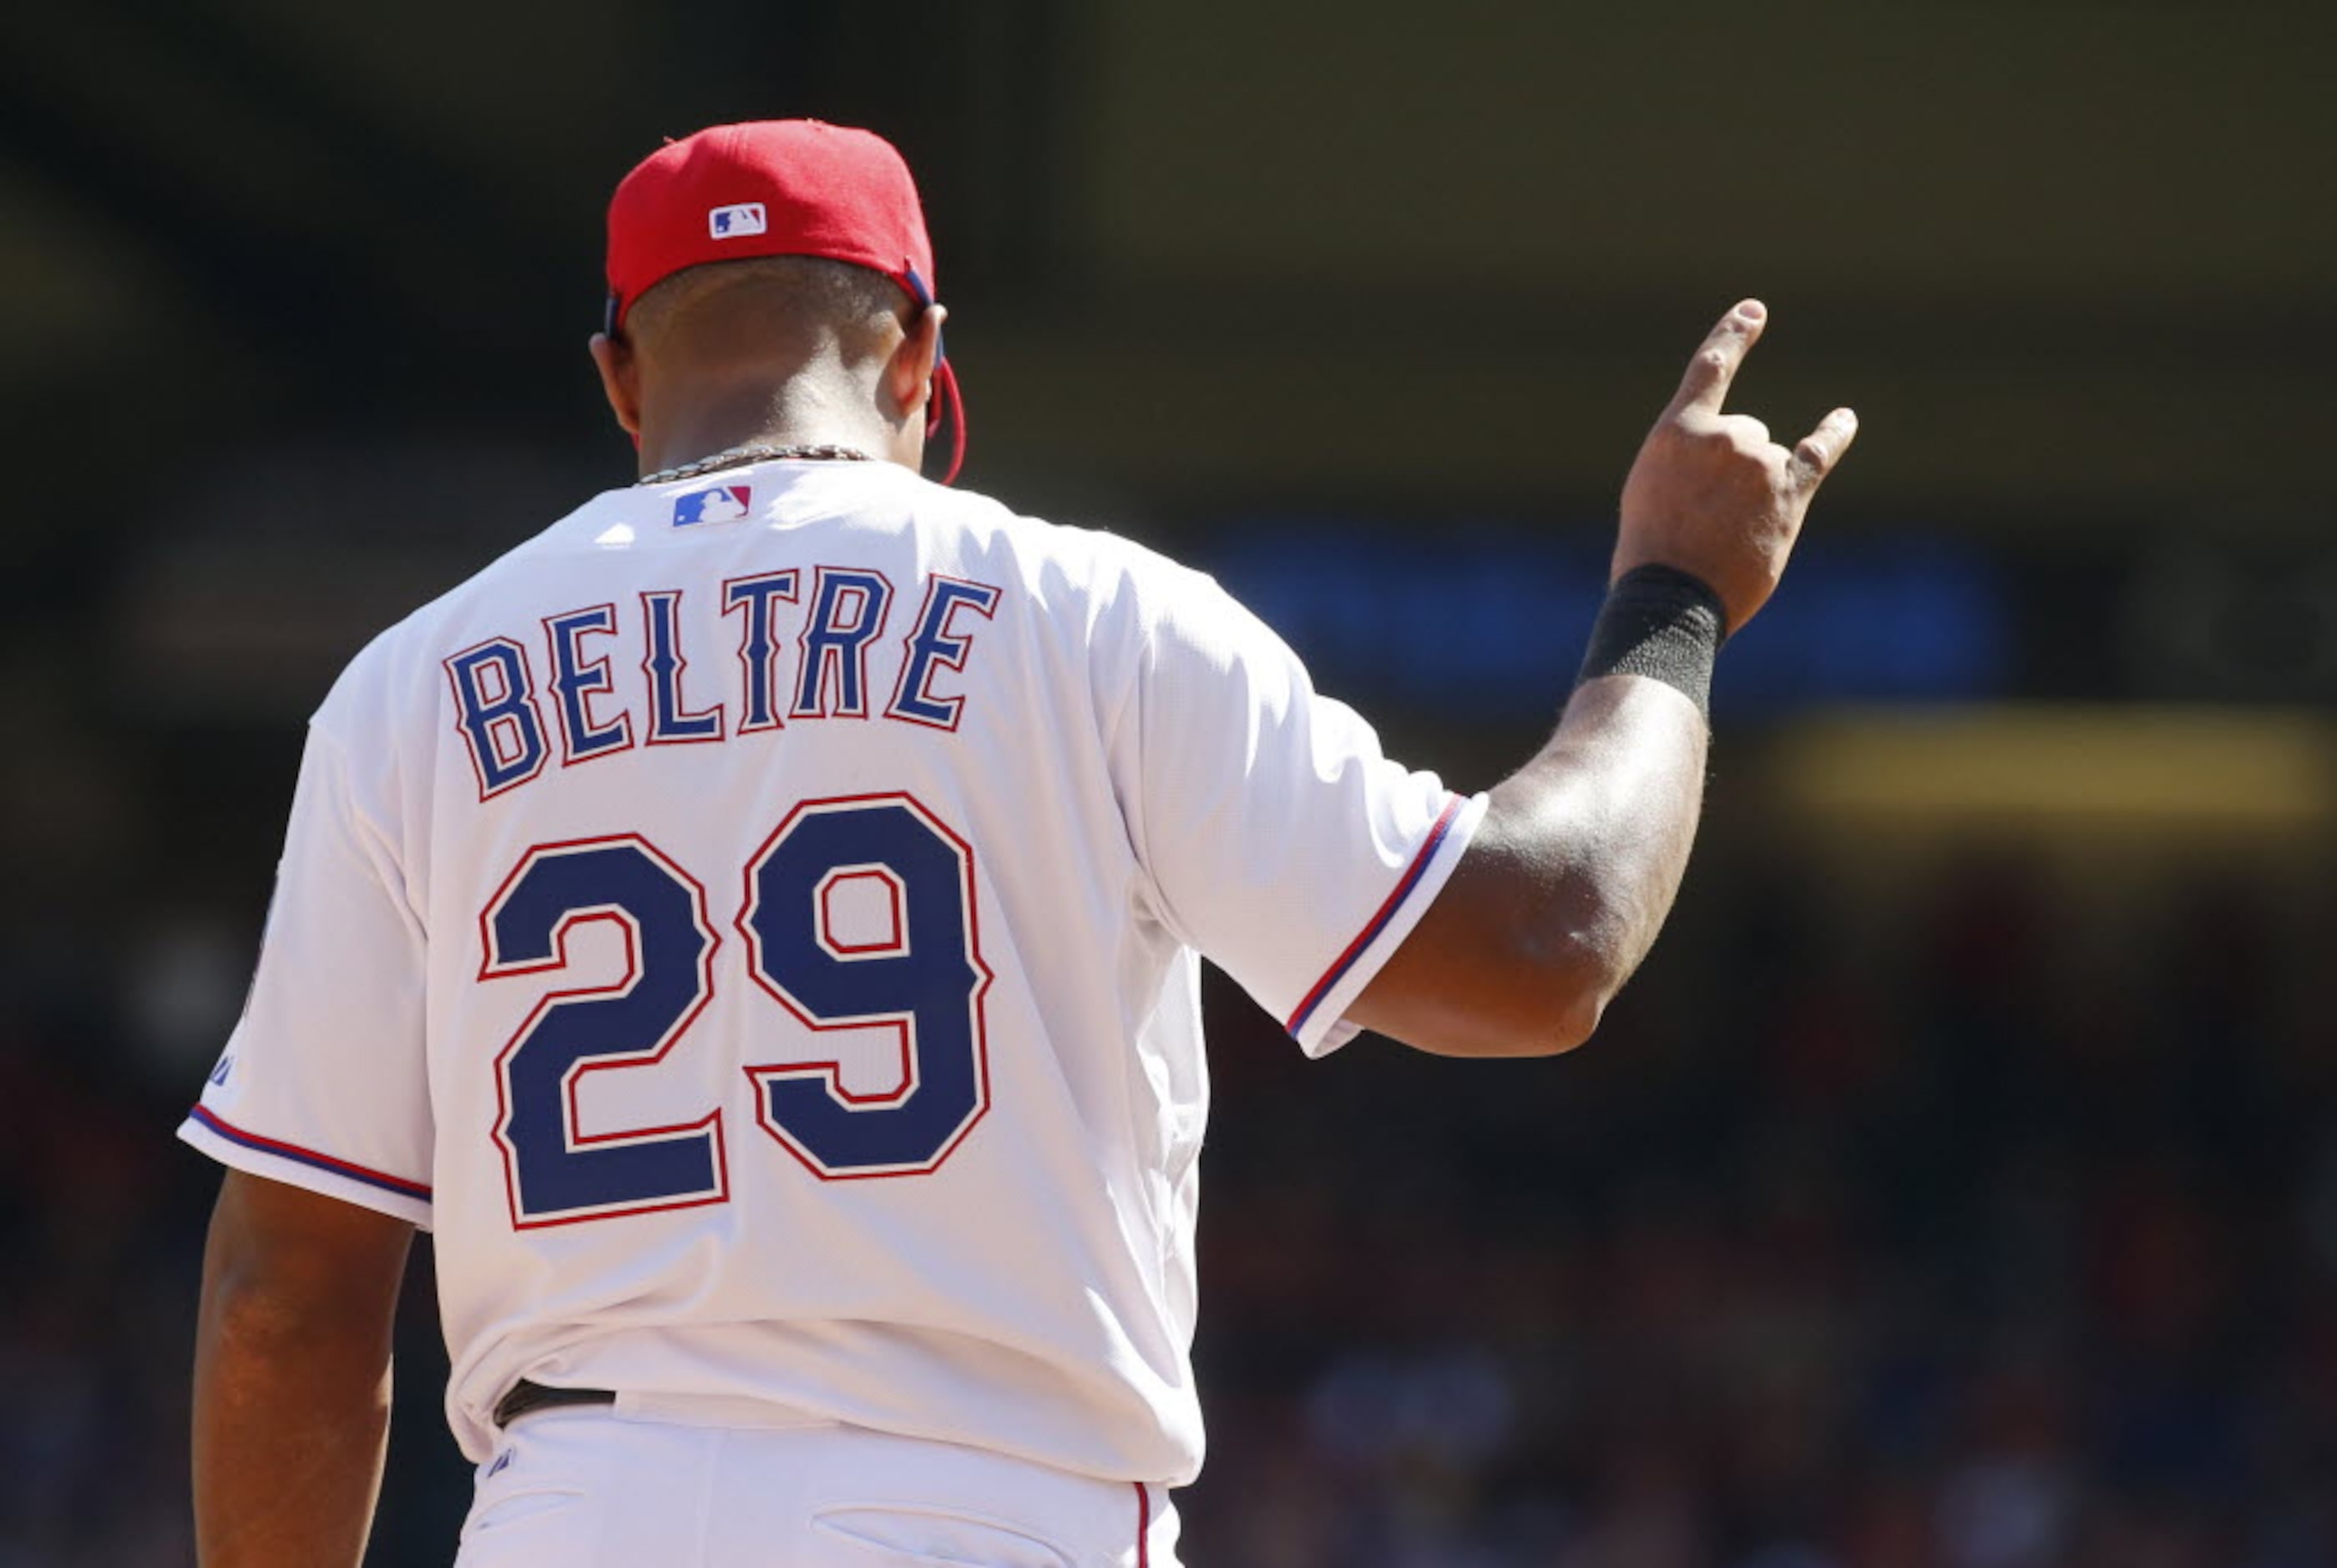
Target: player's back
[
  {"x": 814, "y": 758},
  {"x": 793, "y": 880}
]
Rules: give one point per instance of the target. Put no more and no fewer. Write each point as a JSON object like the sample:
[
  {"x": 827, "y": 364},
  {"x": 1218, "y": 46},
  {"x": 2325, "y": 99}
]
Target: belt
[{"x": 526, "y": 1397}]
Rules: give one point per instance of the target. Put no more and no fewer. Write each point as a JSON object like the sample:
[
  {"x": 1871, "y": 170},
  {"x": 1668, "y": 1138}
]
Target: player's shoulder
[
  {"x": 1061, "y": 561},
  {"x": 402, "y": 661}
]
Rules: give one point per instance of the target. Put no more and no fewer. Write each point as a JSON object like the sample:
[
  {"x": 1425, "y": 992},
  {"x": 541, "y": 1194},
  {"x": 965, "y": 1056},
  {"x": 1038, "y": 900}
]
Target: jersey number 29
[{"x": 924, "y": 980}]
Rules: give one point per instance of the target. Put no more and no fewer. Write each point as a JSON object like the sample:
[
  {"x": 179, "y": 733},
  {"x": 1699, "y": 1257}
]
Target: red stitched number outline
[{"x": 919, "y": 973}]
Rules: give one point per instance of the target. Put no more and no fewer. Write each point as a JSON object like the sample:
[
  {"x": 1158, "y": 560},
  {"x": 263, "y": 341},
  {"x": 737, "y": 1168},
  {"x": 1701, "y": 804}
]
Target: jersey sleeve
[
  {"x": 1279, "y": 839},
  {"x": 323, "y": 1083}
]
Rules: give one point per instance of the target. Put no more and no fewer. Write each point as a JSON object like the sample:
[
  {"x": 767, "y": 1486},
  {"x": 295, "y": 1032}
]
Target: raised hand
[{"x": 1710, "y": 494}]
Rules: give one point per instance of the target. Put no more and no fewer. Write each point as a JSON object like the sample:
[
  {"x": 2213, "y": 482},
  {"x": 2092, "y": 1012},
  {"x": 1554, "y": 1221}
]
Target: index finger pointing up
[{"x": 1705, "y": 385}]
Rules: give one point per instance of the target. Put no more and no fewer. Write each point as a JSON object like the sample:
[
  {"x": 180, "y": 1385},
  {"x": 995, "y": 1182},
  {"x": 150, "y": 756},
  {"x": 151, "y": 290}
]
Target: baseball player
[{"x": 755, "y": 924}]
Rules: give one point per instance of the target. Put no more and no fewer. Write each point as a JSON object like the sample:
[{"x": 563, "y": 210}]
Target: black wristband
[{"x": 1660, "y": 623}]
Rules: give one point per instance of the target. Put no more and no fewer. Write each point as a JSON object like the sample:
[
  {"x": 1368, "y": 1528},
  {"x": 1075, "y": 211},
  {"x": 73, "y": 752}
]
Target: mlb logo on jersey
[
  {"x": 720, "y": 504},
  {"x": 734, "y": 221}
]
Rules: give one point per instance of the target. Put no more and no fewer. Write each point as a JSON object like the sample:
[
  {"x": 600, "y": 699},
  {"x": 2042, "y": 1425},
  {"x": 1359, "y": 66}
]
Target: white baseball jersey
[{"x": 755, "y": 924}]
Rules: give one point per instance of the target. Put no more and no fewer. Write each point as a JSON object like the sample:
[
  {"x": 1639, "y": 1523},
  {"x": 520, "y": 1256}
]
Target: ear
[
  {"x": 620, "y": 380},
  {"x": 909, "y": 375}
]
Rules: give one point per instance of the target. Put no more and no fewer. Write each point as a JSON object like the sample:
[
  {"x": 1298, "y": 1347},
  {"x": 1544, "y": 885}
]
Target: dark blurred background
[{"x": 1956, "y": 1188}]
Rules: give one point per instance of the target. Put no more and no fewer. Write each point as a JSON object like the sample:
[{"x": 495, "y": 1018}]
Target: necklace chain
[{"x": 748, "y": 452}]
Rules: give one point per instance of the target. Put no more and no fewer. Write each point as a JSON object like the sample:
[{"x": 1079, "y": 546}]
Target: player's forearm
[
  {"x": 290, "y": 1431},
  {"x": 292, "y": 1385},
  {"x": 288, "y": 1438},
  {"x": 1596, "y": 832}
]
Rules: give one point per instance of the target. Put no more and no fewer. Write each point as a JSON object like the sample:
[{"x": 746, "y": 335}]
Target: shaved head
[
  {"x": 776, "y": 348},
  {"x": 729, "y": 312}
]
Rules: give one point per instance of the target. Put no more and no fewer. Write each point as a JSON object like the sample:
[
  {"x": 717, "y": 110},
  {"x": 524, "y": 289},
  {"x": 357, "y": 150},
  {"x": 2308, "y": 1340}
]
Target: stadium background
[{"x": 1956, "y": 1188}]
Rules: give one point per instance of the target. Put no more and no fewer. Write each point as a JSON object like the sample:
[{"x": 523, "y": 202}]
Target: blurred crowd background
[{"x": 1956, "y": 1188}]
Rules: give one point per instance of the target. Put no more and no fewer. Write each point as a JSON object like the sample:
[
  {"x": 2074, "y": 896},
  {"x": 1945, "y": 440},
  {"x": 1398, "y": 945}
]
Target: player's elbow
[
  {"x": 1567, "y": 984},
  {"x": 287, "y": 1270},
  {"x": 1537, "y": 1026},
  {"x": 1536, "y": 999},
  {"x": 244, "y": 1314},
  {"x": 1514, "y": 960},
  {"x": 1573, "y": 950},
  {"x": 251, "y": 1309}
]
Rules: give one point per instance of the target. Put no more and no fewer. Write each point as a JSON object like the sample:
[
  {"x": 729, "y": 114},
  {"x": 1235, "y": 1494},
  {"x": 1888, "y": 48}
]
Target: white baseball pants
[{"x": 592, "y": 1487}]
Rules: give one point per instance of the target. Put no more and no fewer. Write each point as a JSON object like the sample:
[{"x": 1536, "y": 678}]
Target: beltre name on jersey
[{"x": 808, "y": 642}]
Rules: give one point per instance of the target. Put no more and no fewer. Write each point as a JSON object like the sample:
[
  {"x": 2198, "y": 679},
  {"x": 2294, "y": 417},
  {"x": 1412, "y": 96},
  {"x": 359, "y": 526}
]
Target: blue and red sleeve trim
[
  {"x": 383, "y": 1179},
  {"x": 1378, "y": 923}
]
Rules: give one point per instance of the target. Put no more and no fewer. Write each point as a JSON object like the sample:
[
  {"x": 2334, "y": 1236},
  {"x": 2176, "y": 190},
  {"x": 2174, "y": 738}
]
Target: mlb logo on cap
[
  {"x": 736, "y": 220},
  {"x": 720, "y": 504}
]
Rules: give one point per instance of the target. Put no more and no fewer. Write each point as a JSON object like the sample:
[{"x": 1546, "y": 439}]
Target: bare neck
[{"x": 688, "y": 419}]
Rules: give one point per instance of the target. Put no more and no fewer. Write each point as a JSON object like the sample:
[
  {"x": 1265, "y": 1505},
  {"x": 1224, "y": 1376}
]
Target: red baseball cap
[{"x": 777, "y": 187}]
